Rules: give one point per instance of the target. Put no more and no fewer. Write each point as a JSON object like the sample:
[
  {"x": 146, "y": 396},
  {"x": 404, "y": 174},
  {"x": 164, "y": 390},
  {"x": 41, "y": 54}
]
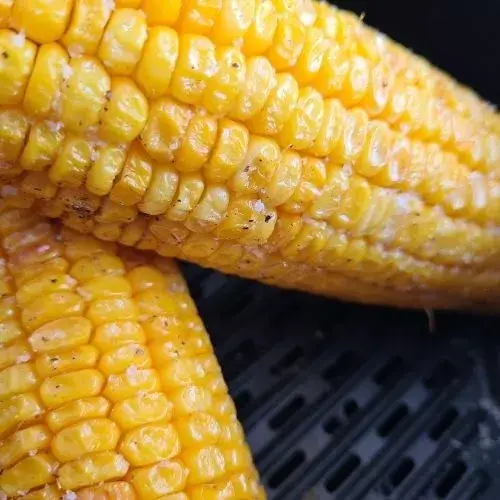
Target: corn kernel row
[
  {"x": 252, "y": 171},
  {"x": 305, "y": 254},
  {"x": 407, "y": 68},
  {"x": 108, "y": 381},
  {"x": 224, "y": 80}
]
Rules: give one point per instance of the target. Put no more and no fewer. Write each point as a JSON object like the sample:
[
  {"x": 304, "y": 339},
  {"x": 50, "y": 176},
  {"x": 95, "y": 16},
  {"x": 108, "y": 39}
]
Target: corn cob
[
  {"x": 282, "y": 140},
  {"x": 109, "y": 387}
]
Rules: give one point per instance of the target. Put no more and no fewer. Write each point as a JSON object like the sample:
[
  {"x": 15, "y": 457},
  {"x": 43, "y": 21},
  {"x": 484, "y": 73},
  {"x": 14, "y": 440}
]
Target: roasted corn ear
[{"x": 280, "y": 140}]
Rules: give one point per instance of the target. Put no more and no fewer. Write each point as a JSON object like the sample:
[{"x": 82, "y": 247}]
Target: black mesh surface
[{"x": 348, "y": 402}]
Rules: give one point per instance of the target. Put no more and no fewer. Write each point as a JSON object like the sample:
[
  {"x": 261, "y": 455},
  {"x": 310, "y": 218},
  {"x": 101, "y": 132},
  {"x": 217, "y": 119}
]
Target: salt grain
[
  {"x": 67, "y": 71},
  {"x": 259, "y": 206},
  {"x": 122, "y": 463},
  {"x": 70, "y": 495},
  {"x": 19, "y": 39},
  {"x": 23, "y": 359},
  {"x": 110, "y": 5},
  {"x": 131, "y": 373}
]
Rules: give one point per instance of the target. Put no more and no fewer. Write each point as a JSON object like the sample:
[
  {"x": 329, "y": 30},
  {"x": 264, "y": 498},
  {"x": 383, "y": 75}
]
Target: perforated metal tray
[{"x": 348, "y": 402}]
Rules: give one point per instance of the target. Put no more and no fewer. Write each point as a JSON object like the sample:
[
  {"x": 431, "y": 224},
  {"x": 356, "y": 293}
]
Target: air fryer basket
[{"x": 350, "y": 402}]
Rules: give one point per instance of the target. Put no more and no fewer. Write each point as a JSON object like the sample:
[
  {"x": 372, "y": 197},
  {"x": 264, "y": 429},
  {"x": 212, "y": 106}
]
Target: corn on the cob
[
  {"x": 109, "y": 387},
  {"x": 282, "y": 140}
]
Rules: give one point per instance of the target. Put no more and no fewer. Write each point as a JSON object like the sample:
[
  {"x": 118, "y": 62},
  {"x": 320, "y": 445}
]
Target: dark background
[{"x": 460, "y": 36}]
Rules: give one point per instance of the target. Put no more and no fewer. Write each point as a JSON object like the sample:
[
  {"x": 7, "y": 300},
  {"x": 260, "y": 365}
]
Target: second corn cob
[
  {"x": 109, "y": 387},
  {"x": 279, "y": 140}
]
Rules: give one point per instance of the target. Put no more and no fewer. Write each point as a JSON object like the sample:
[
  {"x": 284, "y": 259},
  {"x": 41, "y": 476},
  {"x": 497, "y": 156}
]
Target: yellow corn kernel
[
  {"x": 259, "y": 37},
  {"x": 119, "y": 359},
  {"x": 356, "y": 82},
  {"x": 229, "y": 152},
  {"x": 109, "y": 310},
  {"x": 159, "y": 58},
  {"x": 133, "y": 4},
  {"x": 14, "y": 128},
  {"x": 47, "y": 283},
  {"x": 76, "y": 411},
  {"x": 300, "y": 131},
  {"x": 124, "y": 112},
  {"x": 205, "y": 464},
  {"x": 133, "y": 180},
  {"x": 353, "y": 205},
  {"x": 86, "y": 27},
  {"x": 196, "y": 65},
  {"x": 123, "y": 40},
  {"x": 198, "y": 429},
  {"x": 72, "y": 162},
  {"x": 126, "y": 385},
  {"x": 200, "y": 138},
  {"x": 17, "y": 241},
  {"x": 260, "y": 80},
  {"x": 109, "y": 335},
  {"x": 198, "y": 16},
  {"x": 105, "y": 169},
  {"x": 166, "y": 126},
  {"x": 191, "y": 399},
  {"x": 93, "y": 469},
  {"x": 88, "y": 436},
  {"x": 18, "y": 410},
  {"x": 189, "y": 192},
  {"x": 161, "y": 190},
  {"x": 379, "y": 90},
  {"x": 61, "y": 334},
  {"x": 150, "y": 444},
  {"x": 288, "y": 42},
  {"x": 333, "y": 72},
  {"x": 45, "y": 309},
  {"x": 308, "y": 243},
  {"x": 30, "y": 472},
  {"x": 159, "y": 12},
  {"x": 84, "y": 94},
  {"x": 44, "y": 141},
  {"x": 5, "y": 9},
  {"x": 168, "y": 476},
  {"x": 278, "y": 108},
  {"x": 376, "y": 151},
  {"x": 79, "y": 358},
  {"x": 233, "y": 21},
  {"x": 226, "y": 85},
  {"x": 236, "y": 458},
  {"x": 258, "y": 167},
  {"x": 32, "y": 271},
  {"x": 310, "y": 60},
  {"x": 14, "y": 354},
  {"x": 176, "y": 373},
  {"x": 113, "y": 212},
  {"x": 67, "y": 387},
  {"x": 22, "y": 443},
  {"x": 352, "y": 140},
  {"x": 210, "y": 210},
  {"x": 336, "y": 184},
  {"x": 113, "y": 489},
  {"x": 41, "y": 22},
  {"x": 241, "y": 216}
]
